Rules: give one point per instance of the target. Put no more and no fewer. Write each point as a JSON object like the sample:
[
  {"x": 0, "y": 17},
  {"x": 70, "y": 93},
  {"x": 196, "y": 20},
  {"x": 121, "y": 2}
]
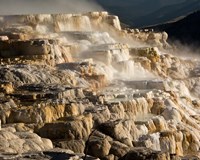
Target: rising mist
[{"x": 12, "y": 7}]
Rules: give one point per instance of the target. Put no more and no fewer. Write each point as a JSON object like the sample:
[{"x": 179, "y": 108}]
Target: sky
[{"x": 8, "y": 7}]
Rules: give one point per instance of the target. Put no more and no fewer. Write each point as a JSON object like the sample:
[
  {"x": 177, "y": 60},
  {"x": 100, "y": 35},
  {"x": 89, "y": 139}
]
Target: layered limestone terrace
[{"x": 79, "y": 86}]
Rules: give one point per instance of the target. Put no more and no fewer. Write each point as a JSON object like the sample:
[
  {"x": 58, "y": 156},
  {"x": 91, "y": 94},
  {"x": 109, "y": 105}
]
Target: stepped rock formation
[{"x": 80, "y": 87}]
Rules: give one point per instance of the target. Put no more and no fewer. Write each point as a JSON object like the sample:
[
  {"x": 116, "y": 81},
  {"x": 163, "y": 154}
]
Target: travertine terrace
[{"x": 78, "y": 86}]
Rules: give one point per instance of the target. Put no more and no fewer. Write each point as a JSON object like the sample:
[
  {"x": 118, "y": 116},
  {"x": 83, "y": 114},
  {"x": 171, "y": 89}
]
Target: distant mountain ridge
[
  {"x": 140, "y": 13},
  {"x": 185, "y": 30},
  {"x": 169, "y": 13}
]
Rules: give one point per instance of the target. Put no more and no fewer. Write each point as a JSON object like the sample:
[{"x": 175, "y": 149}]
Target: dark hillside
[
  {"x": 185, "y": 30},
  {"x": 139, "y": 13}
]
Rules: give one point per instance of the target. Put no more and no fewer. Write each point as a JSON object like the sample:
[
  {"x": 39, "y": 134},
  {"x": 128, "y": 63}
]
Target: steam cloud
[{"x": 13, "y": 7}]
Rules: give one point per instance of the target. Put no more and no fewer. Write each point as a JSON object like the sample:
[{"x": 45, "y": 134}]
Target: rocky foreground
[{"x": 80, "y": 87}]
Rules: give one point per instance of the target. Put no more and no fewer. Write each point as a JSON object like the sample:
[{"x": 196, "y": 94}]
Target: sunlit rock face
[
  {"x": 13, "y": 142},
  {"x": 80, "y": 84}
]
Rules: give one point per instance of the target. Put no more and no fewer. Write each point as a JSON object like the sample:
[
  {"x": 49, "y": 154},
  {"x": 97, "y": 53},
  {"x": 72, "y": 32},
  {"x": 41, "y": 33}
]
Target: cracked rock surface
[{"x": 79, "y": 86}]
